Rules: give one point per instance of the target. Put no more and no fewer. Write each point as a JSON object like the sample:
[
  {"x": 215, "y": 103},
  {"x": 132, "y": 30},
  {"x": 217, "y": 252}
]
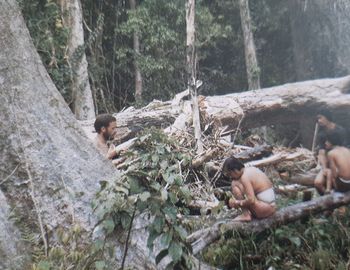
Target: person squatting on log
[
  {"x": 338, "y": 158},
  {"x": 252, "y": 190},
  {"x": 325, "y": 121},
  {"x": 106, "y": 128}
]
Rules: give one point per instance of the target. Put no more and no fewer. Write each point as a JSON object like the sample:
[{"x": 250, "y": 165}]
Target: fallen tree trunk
[
  {"x": 202, "y": 238},
  {"x": 289, "y": 103}
]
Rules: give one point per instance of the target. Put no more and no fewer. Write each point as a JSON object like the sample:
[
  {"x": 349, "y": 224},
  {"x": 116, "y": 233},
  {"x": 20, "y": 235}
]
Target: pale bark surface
[
  {"x": 191, "y": 69},
  {"x": 251, "y": 61},
  {"x": 82, "y": 95},
  {"x": 52, "y": 170}
]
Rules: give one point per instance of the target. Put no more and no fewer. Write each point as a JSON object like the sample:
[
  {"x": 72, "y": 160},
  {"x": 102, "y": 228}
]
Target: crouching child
[{"x": 252, "y": 190}]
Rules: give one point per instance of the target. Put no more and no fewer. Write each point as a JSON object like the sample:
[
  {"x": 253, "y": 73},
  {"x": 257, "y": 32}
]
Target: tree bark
[
  {"x": 251, "y": 61},
  {"x": 136, "y": 45},
  {"x": 202, "y": 238},
  {"x": 191, "y": 70},
  {"x": 83, "y": 104}
]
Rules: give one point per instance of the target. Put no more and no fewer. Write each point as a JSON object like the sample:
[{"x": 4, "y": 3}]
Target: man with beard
[{"x": 106, "y": 128}]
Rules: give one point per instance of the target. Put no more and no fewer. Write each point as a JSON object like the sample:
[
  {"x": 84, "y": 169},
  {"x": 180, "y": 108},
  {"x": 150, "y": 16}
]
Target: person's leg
[
  {"x": 262, "y": 209},
  {"x": 320, "y": 183},
  {"x": 238, "y": 193},
  {"x": 329, "y": 181},
  {"x": 237, "y": 190}
]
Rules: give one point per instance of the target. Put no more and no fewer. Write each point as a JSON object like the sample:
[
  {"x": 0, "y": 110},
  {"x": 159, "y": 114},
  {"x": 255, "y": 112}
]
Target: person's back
[
  {"x": 341, "y": 157},
  {"x": 252, "y": 190},
  {"x": 260, "y": 182}
]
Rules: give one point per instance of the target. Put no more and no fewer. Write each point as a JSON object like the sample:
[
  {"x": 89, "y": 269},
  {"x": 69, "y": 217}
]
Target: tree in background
[
  {"x": 136, "y": 47},
  {"x": 72, "y": 18},
  {"x": 253, "y": 71}
]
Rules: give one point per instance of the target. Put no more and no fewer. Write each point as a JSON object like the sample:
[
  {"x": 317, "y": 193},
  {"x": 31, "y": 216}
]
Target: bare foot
[{"x": 244, "y": 217}]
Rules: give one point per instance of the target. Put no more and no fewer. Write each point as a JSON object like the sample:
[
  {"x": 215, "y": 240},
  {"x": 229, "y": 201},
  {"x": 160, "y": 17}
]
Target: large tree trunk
[
  {"x": 49, "y": 170},
  {"x": 251, "y": 61},
  {"x": 83, "y": 104},
  {"x": 205, "y": 237},
  {"x": 321, "y": 37},
  {"x": 285, "y": 104},
  {"x": 136, "y": 45}
]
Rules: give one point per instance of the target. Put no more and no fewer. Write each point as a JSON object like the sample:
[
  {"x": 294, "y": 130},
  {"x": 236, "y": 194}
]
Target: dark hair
[
  {"x": 335, "y": 137},
  {"x": 326, "y": 113},
  {"x": 103, "y": 120},
  {"x": 232, "y": 164}
]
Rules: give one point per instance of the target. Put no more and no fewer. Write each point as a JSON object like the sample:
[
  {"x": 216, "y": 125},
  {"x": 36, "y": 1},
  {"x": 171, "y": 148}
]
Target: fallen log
[
  {"x": 258, "y": 152},
  {"x": 202, "y": 238},
  {"x": 289, "y": 103}
]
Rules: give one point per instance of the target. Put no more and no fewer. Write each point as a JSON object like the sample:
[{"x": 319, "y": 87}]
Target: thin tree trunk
[
  {"x": 191, "y": 70},
  {"x": 253, "y": 72},
  {"x": 83, "y": 104},
  {"x": 136, "y": 45}
]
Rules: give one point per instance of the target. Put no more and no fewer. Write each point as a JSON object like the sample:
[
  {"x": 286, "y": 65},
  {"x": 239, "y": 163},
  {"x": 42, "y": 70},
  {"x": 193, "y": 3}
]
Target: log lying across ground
[
  {"x": 203, "y": 238},
  {"x": 288, "y": 103}
]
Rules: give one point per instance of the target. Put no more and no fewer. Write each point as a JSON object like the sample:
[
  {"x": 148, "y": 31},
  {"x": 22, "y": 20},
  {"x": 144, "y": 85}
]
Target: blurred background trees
[{"x": 136, "y": 50}]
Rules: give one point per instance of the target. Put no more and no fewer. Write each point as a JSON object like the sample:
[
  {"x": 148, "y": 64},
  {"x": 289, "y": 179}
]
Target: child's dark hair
[
  {"x": 335, "y": 138},
  {"x": 103, "y": 120},
  {"x": 232, "y": 164},
  {"x": 326, "y": 113}
]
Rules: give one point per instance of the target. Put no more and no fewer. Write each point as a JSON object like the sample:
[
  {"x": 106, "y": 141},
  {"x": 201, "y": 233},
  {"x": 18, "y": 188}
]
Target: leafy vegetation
[{"x": 155, "y": 184}]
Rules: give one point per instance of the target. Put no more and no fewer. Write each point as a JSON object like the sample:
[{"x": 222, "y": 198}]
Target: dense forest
[{"x": 190, "y": 83}]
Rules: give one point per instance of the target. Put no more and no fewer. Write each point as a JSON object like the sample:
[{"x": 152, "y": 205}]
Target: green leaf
[
  {"x": 158, "y": 223},
  {"x": 44, "y": 265},
  {"x": 166, "y": 238},
  {"x": 164, "y": 164},
  {"x": 134, "y": 185},
  {"x": 125, "y": 220},
  {"x": 181, "y": 231},
  {"x": 144, "y": 196},
  {"x": 171, "y": 212},
  {"x": 155, "y": 185},
  {"x": 161, "y": 255},
  {"x": 108, "y": 225},
  {"x": 151, "y": 237},
  {"x": 185, "y": 192},
  {"x": 175, "y": 251},
  {"x": 295, "y": 240},
  {"x": 100, "y": 265},
  {"x": 98, "y": 245}
]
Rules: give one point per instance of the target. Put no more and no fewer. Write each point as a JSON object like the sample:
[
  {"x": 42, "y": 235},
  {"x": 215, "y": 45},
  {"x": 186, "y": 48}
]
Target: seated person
[
  {"x": 338, "y": 157},
  {"x": 252, "y": 189},
  {"x": 106, "y": 128}
]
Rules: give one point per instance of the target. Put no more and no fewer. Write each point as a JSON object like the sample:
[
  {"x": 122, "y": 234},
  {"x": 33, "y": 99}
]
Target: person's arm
[
  {"x": 322, "y": 160},
  {"x": 111, "y": 152},
  {"x": 333, "y": 167},
  {"x": 249, "y": 194}
]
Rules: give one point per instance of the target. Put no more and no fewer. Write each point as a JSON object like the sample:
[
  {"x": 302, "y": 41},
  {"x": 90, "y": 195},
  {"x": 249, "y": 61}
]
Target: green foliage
[
  {"x": 154, "y": 184},
  {"x": 50, "y": 37},
  {"x": 317, "y": 244}
]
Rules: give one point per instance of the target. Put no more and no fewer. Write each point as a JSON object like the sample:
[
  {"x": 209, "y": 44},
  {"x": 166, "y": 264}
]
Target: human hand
[
  {"x": 232, "y": 203},
  {"x": 111, "y": 152}
]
